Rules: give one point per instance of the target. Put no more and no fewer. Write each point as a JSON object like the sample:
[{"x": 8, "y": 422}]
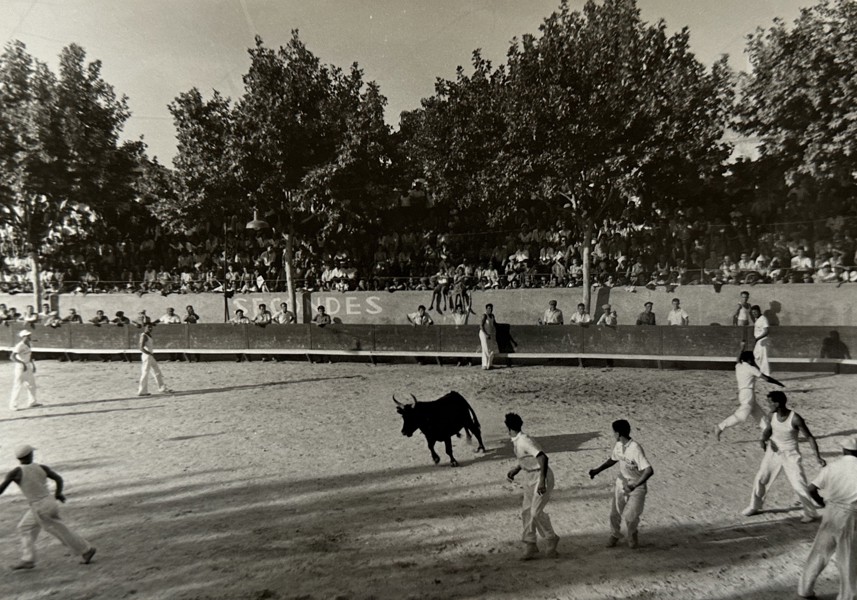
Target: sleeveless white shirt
[
  {"x": 34, "y": 482},
  {"x": 784, "y": 434}
]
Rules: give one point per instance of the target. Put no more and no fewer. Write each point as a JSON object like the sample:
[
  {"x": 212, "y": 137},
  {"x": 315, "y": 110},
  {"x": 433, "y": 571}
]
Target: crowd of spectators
[{"x": 680, "y": 250}]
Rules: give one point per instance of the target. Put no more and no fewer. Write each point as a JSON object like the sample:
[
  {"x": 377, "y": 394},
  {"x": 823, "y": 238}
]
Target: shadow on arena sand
[{"x": 339, "y": 537}]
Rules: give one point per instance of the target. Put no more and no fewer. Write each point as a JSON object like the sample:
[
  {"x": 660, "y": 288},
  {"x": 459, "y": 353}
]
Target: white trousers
[
  {"x": 747, "y": 407},
  {"x": 836, "y": 537},
  {"x": 760, "y": 353},
  {"x": 150, "y": 365},
  {"x": 20, "y": 380},
  {"x": 626, "y": 507},
  {"x": 533, "y": 516},
  {"x": 45, "y": 514},
  {"x": 487, "y": 350},
  {"x": 790, "y": 462}
]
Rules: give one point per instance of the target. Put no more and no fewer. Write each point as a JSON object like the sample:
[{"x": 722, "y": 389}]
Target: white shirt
[
  {"x": 552, "y": 317},
  {"x": 23, "y": 351},
  {"x": 746, "y": 376},
  {"x": 677, "y": 316},
  {"x": 526, "y": 450},
  {"x": 760, "y": 327},
  {"x": 170, "y": 319},
  {"x": 801, "y": 263},
  {"x": 580, "y": 319},
  {"x": 784, "y": 433},
  {"x": 284, "y": 317},
  {"x": 839, "y": 481},
  {"x": 425, "y": 319},
  {"x": 632, "y": 460},
  {"x": 34, "y": 482}
]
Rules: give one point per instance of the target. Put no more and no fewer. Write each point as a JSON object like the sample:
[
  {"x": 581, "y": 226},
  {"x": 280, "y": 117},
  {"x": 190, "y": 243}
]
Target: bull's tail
[{"x": 477, "y": 428}]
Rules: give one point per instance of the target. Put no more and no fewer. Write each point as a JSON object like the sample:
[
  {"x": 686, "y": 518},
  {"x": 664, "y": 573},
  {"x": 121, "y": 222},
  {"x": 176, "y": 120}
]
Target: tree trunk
[
  {"x": 587, "y": 277},
  {"x": 34, "y": 277},
  {"x": 290, "y": 284}
]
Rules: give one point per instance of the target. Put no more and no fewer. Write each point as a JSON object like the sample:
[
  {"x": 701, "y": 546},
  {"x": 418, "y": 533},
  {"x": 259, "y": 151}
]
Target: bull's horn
[
  {"x": 396, "y": 401},
  {"x": 415, "y": 398}
]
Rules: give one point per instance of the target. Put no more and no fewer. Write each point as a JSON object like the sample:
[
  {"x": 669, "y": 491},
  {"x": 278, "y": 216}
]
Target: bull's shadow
[{"x": 551, "y": 444}]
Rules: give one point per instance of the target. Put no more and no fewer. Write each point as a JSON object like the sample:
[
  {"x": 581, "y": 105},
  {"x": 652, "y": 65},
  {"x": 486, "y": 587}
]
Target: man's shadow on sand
[{"x": 551, "y": 444}]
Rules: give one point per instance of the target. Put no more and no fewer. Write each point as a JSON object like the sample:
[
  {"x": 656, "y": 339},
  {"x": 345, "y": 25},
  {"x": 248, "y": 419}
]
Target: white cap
[
  {"x": 849, "y": 443},
  {"x": 25, "y": 333},
  {"x": 22, "y": 451}
]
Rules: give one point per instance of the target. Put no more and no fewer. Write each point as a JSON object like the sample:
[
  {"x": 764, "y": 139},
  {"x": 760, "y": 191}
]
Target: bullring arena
[{"x": 292, "y": 480}]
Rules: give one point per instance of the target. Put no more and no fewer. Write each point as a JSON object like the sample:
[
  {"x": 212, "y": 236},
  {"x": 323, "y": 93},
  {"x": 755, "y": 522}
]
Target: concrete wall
[
  {"x": 210, "y": 307},
  {"x": 784, "y": 304}
]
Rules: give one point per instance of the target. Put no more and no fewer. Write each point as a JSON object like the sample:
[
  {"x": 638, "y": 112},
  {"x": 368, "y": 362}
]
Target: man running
[
  {"x": 746, "y": 372},
  {"x": 44, "y": 511}
]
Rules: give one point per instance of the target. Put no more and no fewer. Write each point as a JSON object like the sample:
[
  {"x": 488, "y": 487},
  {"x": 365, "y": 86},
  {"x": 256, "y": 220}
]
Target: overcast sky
[{"x": 153, "y": 50}]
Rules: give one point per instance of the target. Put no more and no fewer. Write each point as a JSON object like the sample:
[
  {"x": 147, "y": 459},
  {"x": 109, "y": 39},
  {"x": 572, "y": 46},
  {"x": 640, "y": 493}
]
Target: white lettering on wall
[
  {"x": 352, "y": 306},
  {"x": 372, "y": 307}
]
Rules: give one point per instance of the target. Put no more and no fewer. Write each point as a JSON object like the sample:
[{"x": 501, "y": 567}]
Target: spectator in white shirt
[
  {"x": 581, "y": 317},
  {"x": 170, "y": 318},
  {"x": 677, "y": 315}
]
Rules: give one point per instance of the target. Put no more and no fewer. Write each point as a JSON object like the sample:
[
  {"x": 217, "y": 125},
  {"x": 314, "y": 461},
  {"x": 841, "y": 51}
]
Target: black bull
[{"x": 439, "y": 421}]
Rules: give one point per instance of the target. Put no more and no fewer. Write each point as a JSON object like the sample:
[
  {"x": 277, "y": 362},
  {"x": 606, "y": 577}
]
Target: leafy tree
[
  {"x": 63, "y": 171},
  {"x": 800, "y": 97},
  {"x": 306, "y": 145},
  {"x": 602, "y": 114}
]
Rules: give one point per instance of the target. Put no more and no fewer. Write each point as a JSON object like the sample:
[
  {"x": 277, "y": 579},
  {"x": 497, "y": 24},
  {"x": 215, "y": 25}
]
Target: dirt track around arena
[{"x": 289, "y": 480}]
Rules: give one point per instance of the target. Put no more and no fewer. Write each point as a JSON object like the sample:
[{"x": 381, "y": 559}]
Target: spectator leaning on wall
[
  {"x": 647, "y": 317},
  {"x": 677, "y": 315},
  {"x": 552, "y": 316}
]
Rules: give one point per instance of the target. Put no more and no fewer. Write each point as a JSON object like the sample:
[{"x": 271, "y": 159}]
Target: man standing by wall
[
  {"x": 25, "y": 371},
  {"x": 488, "y": 337},
  {"x": 677, "y": 315},
  {"x": 647, "y": 317},
  {"x": 741, "y": 318},
  {"x": 552, "y": 316},
  {"x": 762, "y": 341}
]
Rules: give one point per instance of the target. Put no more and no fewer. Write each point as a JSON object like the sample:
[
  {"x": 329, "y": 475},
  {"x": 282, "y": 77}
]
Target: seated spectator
[
  {"x": 121, "y": 319},
  {"x": 239, "y": 318},
  {"x": 170, "y": 318},
  {"x": 73, "y": 317},
  {"x": 581, "y": 317},
  {"x": 801, "y": 264},
  {"x": 825, "y": 274},
  {"x": 46, "y": 310},
  {"x": 4, "y": 314},
  {"x": 191, "y": 318},
  {"x": 729, "y": 272},
  {"x": 143, "y": 319},
  {"x": 100, "y": 318},
  {"x": 284, "y": 316}
]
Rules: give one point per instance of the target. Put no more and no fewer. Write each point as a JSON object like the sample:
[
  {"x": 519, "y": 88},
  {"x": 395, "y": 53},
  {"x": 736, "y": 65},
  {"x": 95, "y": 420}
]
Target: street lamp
[{"x": 257, "y": 224}]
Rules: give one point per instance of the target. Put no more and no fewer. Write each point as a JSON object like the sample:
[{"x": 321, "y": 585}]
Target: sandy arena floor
[{"x": 289, "y": 480}]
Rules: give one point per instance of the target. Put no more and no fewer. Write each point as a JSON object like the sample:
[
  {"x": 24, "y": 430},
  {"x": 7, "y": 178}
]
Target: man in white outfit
[
  {"x": 44, "y": 511},
  {"x": 629, "y": 492},
  {"x": 746, "y": 372},
  {"x": 537, "y": 489},
  {"x": 149, "y": 364},
  {"x": 837, "y": 533},
  {"x": 487, "y": 337},
  {"x": 760, "y": 336},
  {"x": 25, "y": 371},
  {"x": 779, "y": 441}
]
